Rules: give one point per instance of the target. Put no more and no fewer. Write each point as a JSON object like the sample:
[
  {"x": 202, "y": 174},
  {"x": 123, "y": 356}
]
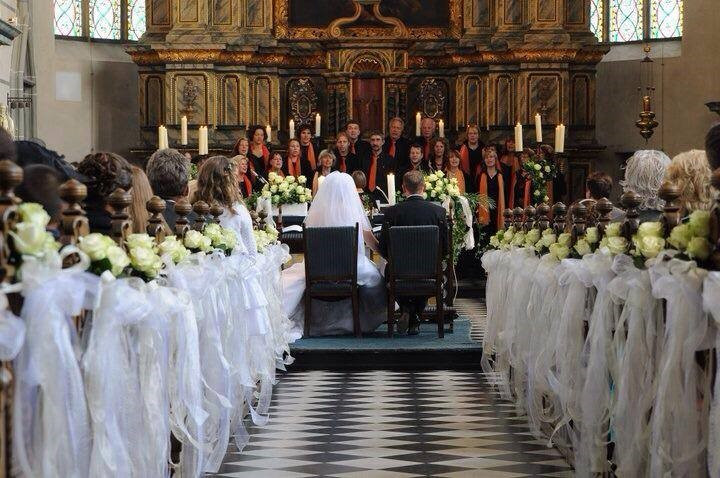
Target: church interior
[{"x": 344, "y": 238}]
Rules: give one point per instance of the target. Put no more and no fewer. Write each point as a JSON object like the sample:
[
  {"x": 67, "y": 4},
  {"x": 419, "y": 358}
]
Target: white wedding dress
[{"x": 337, "y": 204}]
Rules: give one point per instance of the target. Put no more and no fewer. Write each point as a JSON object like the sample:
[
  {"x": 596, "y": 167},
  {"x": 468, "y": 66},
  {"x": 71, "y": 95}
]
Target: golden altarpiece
[{"x": 230, "y": 64}]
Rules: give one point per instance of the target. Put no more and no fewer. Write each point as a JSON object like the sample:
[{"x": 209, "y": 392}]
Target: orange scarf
[
  {"x": 311, "y": 155},
  {"x": 342, "y": 165},
  {"x": 460, "y": 179},
  {"x": 391, "y": 150},
  {"x": 294, "y": 168},
  {"x": 465, "y": 158},
  {"x": 372, "y": 173},
  {"x": 484, "y": 212},
  {"x": 266, "y": 156},
  {"x": 248, "y": 185}
]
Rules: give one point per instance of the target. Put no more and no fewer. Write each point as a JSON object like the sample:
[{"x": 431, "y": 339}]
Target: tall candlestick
[
  {"x": 317, "y": 125},
  {"x": 162, "y": 137},
  {"x": 518, "y": 137},
  {"x": 418, "y": 120},
  {"x": 391, "y": 188},
  {"x": 268, "y": 133},
  {"x": 560, "y": 138},
  {"x": 441, "y": 127},
  {"x": 183, "y": 131},
  {"x": 203, "y": 140},
  {"x": 538, "y": 128},
  {"x": 292, "y": 128}
]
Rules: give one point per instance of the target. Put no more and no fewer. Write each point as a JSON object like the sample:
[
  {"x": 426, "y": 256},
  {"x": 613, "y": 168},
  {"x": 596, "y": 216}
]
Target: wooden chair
[
  {"x": 331, "y": 269},
  {"x": 415, "y": 271}
]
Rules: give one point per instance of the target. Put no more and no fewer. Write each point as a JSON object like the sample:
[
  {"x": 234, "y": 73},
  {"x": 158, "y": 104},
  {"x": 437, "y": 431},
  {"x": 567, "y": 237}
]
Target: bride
[{"x": 337, "y": 204}]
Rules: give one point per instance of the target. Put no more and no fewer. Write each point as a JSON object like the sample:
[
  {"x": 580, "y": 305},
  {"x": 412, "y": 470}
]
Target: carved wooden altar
[{"x": 235, "y": 63}]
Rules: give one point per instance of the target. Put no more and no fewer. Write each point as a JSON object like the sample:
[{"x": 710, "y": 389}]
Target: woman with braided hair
[{"x": 105, "y": 172}]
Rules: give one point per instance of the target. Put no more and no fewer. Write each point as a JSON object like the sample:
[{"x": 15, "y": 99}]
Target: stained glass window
[
  {"x": 596, "y": 18},
  {"x": 68, "y": 18},
  {"x": 136, "y": 19},
  {"x": 666, "y": 18},
  {"x": 626, "y": 20},
  {"x": 105, "y": 19}
]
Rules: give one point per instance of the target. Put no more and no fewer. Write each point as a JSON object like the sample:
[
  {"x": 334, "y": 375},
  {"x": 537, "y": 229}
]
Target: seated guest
[
  {"x": 141, "y": 194},
  {"x": 105, "y": 172},
  {"x": 32, "y": 152},
  {"x": 308, "y": 150},
  {"x": 347, "y": 161},
  {"x": 243, "y": 177},
  {"x": 41, "y": 184},
  {"x": 414, "y": 211},
  {"x": 295, "y": 165},
  {"x": 453, "y": 170},
  {"x": 276, "y": 165},
  {"x": 690, "y": 172},
  {"x": 258, "y": 153},
  {"x": 491, "y": 184},
  {"x": 326, "y": 166},
  {"x": 599, "y": 185},
  {"x": 471, "y": 153},
  {"x": 197, "y": 160},
  {"x": 359, "y": 147},
  {"x": 396, "y": 146},
  {"x": 416, "y": 159},
  {"x": 644, "y": 174},
  {"x": 439, "y": 155},
  {"x": 360, "y": 181},
  {"x": 7, "y": 145},
  {"x": 427, "y": 136},
  {"x": 377, "y": 167},
  {"x": 168, "y": 172},
  {"x": 712, "y": 147},
  {"x": 217, "y": 183}
]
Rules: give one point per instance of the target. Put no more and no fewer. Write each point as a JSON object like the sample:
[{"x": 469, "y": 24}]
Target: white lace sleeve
[{"x": 241, "y": 223}]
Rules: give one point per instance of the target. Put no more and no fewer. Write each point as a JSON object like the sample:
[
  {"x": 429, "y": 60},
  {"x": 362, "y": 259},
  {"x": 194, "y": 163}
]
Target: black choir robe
[
  {"x": 402, "y": 151},
  {"x": 352, "y": 162},
  {"x": 385, "y": 165}
]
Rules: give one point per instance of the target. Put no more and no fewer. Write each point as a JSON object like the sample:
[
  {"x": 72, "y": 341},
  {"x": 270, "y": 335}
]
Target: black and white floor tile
[{"x": 392, "y": 424}]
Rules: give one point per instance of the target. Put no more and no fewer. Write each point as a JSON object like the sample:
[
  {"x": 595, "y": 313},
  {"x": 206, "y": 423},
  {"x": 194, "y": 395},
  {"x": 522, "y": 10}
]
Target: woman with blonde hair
[
  {"x": 141, "y": 194},
  {"x": 690, "y": 173},
  {"x": 326, "y": 165},
  {"x": 217, "y": 183}
]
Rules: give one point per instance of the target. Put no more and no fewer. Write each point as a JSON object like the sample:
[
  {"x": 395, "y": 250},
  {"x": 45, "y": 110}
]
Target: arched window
[
  {"x": 119, "y": 20},
  {"x": 620, "y": 21}
]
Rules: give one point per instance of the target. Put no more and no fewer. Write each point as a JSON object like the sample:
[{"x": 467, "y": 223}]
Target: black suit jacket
[
  {"x": 362, "y": 150},
  {"x": 402, "y": 151},
  {"x": 170, "y": 215},
  {"x": 351, "y": 161},
  {"x": 414, "y": 211},
  {"x": 385, "y": 165}
]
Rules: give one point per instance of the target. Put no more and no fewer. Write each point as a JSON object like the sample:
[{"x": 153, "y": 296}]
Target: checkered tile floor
[{"x": 392, "y": 424}]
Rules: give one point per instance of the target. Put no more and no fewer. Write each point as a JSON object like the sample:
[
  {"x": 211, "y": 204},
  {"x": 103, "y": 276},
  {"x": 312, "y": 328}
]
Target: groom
[{"x": 414, "y": 211}]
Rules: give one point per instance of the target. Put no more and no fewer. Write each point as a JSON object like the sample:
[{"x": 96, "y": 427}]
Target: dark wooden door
[{"x": 367, "y": 94}]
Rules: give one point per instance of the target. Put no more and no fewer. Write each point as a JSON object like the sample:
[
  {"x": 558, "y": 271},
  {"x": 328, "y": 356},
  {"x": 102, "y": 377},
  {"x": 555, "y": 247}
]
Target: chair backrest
[
  {"x": 414, "y": 252},
  {"x": 331, "y": 253}
]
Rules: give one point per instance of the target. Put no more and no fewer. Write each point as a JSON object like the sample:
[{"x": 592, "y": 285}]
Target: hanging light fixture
[{"x": 646, "y": 124}]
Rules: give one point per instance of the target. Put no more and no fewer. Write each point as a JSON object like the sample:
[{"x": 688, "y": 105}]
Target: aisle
[{"x": 392, "y": 424}]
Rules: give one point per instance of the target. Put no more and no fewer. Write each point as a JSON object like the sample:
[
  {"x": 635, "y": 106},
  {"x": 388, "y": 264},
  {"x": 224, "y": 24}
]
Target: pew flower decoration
[
  {"x": 613, "y": 243},
  {"x": 144, "y": 260},
  {"x": 195, "y": 241},
  {"x": 587, "y": 244},
  {"x": 540, "y": 171},
  {"x": 265, "y": 237},
  {"x": 532, "y": 238},
  {"x": 173, "y": 249},
  {"x": 220, "y": 238},
  {"x": 104, "y": 254},
  {"x": 548, "y": 238},
  {"x": 649, "y": 241},
  {"x": 691, "y": 238},
  {"x": 30, "y": 237},
  {"x": 287, "y": 190},
  {"x": 562, "y": 248},
  {"x": 438, "y": 187}
]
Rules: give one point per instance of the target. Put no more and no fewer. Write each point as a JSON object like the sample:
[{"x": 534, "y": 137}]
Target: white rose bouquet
[
  {"x": 438, "y": 187},
  {"x": 265, "y": 237},
  {"x": 144, "y": 260},
  {"x": 174, "y": 249},
  {"x": 287, "y": 190},
  {"x": 29, "y": 236},
  {"x": 220, "y": 237},
  {"x": 692, "y": 238},
  {"x": 196, "y": 241},
  {"x": 104, "y": 254}
]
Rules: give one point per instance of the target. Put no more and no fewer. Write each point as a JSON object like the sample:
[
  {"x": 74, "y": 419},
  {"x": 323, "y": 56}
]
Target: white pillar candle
[
  {"x": 538, "y": 128},
  {"x": 292, "y": 128},
  {"x": 441, "y": 127},
  {"x": 391, "y": 189},
  {"x": 418, "y": 120},
  {"x": 268, "y": 133},
  {"x": 183, "y": 131},
  {"x": 203, "y": 140},
  {"x": 518, "y": 137},
  {"x": 162, "y": 137},
  {"x": 560, "y": 138},
  {"x": 317, "y": 125}
]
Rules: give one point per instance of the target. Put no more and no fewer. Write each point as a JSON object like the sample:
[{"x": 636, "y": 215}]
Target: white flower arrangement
[
  {"x": 692, "y": 237},
  {"x": 438, "y": 187},
  {"x": 286, "y": 190},
  {"x": 30, "y": 237},
  {"x": 104, "y": 254},
  {"x": 265, "y": 237}
]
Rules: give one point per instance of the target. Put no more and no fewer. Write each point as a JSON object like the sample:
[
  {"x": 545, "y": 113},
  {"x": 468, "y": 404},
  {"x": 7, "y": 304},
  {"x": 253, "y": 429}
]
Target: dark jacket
[
  {"x": 362, "y": 150},
  {"x": 352, "y": 163},
  {"x": 385, "y": 165},
  {"x": 402, "y": 151},
  {"x": 414, "y": 211},
  {"x": 171, "y": 217}
]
